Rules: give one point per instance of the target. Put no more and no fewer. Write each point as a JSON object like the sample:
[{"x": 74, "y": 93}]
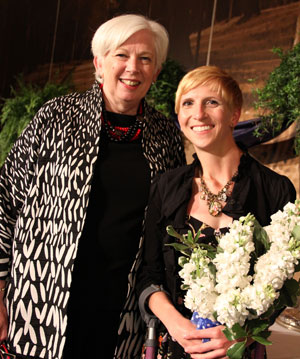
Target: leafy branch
[
  {"x": 161, "y": 95},
  {"x": 279, "y": 101},
  {"x": 18, "y": 110},
  {"x": 189, "y": 242},
  {"x": 255, "y": 327}
]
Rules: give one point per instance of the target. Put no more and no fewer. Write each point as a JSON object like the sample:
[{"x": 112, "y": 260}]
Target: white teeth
[
  {"x": 201, "y": 128},
  {"x": 130, "y": 83}
]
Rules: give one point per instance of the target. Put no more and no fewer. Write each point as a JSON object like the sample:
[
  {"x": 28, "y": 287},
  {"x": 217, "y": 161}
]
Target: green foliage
[
  {"x": 19, "y": 110},
  {"x": 255, "y": 328},
  {"x": 161, "y": 95},
  {"x": 190, "y": 242},
  {"x": 279, "y": 100}
]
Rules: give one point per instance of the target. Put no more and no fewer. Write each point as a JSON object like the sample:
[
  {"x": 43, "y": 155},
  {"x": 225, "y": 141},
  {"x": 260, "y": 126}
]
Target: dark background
[{"x": 28, "y": 28}]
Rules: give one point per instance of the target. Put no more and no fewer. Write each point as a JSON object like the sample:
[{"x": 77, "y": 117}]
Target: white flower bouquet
[{"x": 248, "y": 279}]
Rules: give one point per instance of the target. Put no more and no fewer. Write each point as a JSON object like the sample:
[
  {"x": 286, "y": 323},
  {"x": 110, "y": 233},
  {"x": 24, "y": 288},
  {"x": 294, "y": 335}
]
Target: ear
[
  {"x": 155, "y": 76},
  {"x": 98, "y": 66},
  {"x": 235, "y": 117}
]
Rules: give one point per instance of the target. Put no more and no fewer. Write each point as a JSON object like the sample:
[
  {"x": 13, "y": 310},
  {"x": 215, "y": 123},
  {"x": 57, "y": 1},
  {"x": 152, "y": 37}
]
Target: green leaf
[
  {"x": 236, "y": 351},
  {"x": 292, "y": 286},
  {"x": 171, "y": 231},
  {"x": 266, "y": 315},
  {"x": 211, "y": 251},
  {"x": 236, "y": 332},
  {"x": 278, "y": 102},
  {"x": 229, "y": 334},
  {"x": 198, "y": 234},
  {"x": 288, "y": 294},
  {"x": 178, "y": 246},
  {"x": 183, "y": 260},
  {"x": 212, "y": 269},
  {"x": 260, "y": 328},
  {"x": 239, "y": 331},
  {"x": 297, "y": 267},
  {"x": 296, "y": 232},
  {"x": 189, "y": 239},
  {"x": 262, "y": 242},
  {"x": 261, "y": 340}
]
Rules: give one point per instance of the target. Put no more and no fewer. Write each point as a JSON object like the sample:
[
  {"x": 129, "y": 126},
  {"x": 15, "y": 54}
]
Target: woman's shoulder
[
  {"x": 254, "y": 167},
  {"x": 265, "y": 177},
  {"x": 175, "y": 178},
  {"x": 74, "y": 99}
]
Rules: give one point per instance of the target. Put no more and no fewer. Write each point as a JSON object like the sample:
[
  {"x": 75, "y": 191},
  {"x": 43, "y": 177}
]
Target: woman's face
[
  {"x": 128, "y": 72},
  {"x": 206, "y": 120}
]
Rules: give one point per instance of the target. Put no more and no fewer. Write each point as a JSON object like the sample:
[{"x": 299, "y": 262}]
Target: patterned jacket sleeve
[
  {"x": 177, "y": 145},
  {"x": 15, "y": 179},
  {"x": 165, "y": 142}
]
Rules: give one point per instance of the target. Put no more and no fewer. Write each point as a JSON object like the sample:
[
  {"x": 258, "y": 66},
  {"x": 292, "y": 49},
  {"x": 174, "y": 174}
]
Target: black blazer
[{"x": 258, "y": 190}]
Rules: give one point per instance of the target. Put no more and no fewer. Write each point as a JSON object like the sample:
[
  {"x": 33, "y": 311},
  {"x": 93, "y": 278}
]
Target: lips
[
  {"x": 130, "y": 82},
  {"x": 202, "y": 128}
]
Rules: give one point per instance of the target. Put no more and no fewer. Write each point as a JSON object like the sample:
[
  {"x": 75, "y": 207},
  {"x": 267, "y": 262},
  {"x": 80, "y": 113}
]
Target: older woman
[
  {"x": 222, "y": 184},
  {"x": 73, "y": 192}
]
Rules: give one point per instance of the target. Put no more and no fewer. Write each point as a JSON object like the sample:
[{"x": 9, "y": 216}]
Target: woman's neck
[
  {"x": 124, "y": 107},
  {"x": 220, "y": 167}
]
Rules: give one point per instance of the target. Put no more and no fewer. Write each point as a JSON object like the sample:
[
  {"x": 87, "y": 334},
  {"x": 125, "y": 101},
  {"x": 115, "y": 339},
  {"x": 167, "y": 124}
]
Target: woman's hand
[
  {"x": 215, "y": 348},
  {"x": 3, "y": 315},
  {"x": 185, "y": 333},
  {"x": 179, "y": 330},
  {"x": 3, "y": 321},
  {"x": 177, "y": 325}
]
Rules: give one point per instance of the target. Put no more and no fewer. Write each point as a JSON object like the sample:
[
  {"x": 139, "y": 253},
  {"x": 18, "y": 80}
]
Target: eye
[
  {"x": 121, "y": 55},
  {"x": 146, "y": 59},
  {"x": 212, "y": 103},
  {"x": 187, "y": 103}
]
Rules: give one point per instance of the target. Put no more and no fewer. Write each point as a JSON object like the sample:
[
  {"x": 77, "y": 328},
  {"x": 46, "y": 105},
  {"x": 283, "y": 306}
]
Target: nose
[
  {"x": 199, "y": 112},
  {"x": 132, "y": 64}
]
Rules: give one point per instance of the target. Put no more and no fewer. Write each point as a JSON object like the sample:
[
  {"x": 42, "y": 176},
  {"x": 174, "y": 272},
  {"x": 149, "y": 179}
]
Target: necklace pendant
[
  {"x": 203, "y": 196},
  {"x": 214, "y": 208},
  {"x": 222, "y": 197}
]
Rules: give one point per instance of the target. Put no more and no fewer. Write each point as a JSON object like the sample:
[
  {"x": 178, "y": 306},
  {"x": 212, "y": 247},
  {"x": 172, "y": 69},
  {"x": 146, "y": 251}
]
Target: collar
[{"x": 178, "y": 191}]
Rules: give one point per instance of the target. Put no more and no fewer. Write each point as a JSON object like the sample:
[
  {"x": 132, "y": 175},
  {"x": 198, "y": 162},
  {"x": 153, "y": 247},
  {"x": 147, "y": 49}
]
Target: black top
[
  {"x": 109, "y": 242},
  {"x": 257, "y": 189}
]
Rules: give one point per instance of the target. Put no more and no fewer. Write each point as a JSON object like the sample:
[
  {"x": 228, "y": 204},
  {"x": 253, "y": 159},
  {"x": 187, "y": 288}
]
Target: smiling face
[
  {"x": 128, "y": 72},
  {"x": 206, "y": 120}
]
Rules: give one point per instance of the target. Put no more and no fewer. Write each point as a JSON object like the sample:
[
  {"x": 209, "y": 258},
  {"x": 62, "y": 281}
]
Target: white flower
[
  {"x": 230, "y": 308},
  {"x": 233, "y": 294}
]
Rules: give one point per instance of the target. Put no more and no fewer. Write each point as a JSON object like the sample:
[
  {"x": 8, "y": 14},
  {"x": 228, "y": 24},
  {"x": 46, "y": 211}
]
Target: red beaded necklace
[{"x": 122, "y": 133}]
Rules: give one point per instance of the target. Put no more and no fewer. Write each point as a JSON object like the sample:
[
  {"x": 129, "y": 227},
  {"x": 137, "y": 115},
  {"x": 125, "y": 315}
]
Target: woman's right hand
[
  {"x": 3, "y": 319},
  {"x": 177, "y": 325},
  {"x": 179, "y": 330}
]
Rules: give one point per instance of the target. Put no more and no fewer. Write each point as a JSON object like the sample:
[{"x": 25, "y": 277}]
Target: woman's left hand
[{"x": 215, "y": 348}]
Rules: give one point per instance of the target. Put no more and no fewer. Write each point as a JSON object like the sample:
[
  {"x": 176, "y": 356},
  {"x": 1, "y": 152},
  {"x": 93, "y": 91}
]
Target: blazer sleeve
[
  {"x": 282, "y": 192},
  {"x": 151, "y": 270},
  {"x": 15, "y": 178}
]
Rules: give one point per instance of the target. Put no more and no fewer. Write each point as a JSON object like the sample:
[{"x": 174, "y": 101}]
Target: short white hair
[{"x": 114, "y": 32}]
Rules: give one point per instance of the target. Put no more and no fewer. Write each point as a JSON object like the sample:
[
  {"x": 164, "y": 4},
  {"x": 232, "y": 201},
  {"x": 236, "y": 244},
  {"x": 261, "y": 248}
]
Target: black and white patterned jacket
[{"x": 44, "y": 192}]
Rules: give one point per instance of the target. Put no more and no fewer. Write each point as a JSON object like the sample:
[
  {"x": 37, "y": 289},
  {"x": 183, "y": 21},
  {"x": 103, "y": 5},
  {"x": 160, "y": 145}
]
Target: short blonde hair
[
  {"x": 114, "y": 32},
  {"x": 217, "y": 79}
]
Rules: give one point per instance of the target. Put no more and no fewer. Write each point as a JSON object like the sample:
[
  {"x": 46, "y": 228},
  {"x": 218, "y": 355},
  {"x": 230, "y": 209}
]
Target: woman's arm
[
  {"x": 185, "y": 333},
  {"x": 152, "y": 272},
  {"x": 15, "y": 178},
  {"x": 3, "y": 312},
  {"x": 177, "y": 325}
]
